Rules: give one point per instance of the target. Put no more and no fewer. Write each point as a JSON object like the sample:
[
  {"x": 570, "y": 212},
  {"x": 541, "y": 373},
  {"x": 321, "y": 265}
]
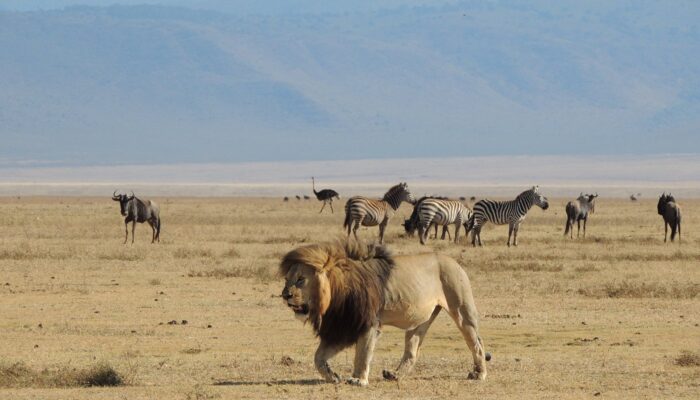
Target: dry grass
[
  {"x": 19, "y": 375},
  {"x": 563, "y": 318},
  {"x": 640, "y": 290}
]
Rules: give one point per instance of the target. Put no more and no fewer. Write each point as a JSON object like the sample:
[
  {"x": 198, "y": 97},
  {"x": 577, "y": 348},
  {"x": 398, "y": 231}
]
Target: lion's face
[{"x": 304, "y": 291}]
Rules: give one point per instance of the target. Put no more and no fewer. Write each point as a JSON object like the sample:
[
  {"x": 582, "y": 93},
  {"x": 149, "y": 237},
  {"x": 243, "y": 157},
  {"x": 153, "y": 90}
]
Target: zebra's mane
[
  {"x": 396, "y": 189},
  {"x": 528, "y": 192}
]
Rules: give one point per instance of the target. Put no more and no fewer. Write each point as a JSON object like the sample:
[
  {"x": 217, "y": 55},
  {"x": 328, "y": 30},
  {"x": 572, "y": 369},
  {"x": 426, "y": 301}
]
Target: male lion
[{"x": 349, "y": 291}]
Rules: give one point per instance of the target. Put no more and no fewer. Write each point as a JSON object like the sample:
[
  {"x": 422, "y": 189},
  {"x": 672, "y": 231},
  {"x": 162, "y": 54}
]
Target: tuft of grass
[
  {"x": 18, "y": 375},
  {"x": 688, "y": 359},
  {"x": 154, "y": 282},
  {"x": 230, "y": 253},
  {"x": 636, "y": 290},
  {"x": 263, "y": 274},
  {"x": 188, "y": 252},
  {"x": 121, "y": 255}
]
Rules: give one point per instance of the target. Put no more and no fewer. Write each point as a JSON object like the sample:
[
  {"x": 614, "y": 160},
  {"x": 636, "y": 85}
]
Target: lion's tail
[{"x": 487, "y": 355}]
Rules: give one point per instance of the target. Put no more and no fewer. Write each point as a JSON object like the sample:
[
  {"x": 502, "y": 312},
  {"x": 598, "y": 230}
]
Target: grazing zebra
[
  {"x": 671, "y": 212},
  {"x": 368, "y": 212},
  {"x": 578, "y": 210},
  {"x": 510, "y": 212},
  {"x": 325, "y": 195},
  {"x": 442, "y": 212},
  {"x": 411, "y": 224}
]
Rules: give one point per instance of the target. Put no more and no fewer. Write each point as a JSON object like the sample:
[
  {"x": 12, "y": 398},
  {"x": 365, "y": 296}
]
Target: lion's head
[{"x": 337, "y": 287}]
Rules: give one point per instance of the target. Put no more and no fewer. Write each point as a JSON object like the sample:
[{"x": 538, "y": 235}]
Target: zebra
[
  {"x": 369, "y": 212},
  {"x": 442, "y": 212},
  {"x": 510, "y": 212},
  {"x": 136, "y": 210},
  {"x": 578, "y": 210},
  {"x": 671, "y": 212},
  {"x": 411, "y": 224}
]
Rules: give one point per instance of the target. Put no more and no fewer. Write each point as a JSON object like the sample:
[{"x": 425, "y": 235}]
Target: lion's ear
[{"x": 324, "y": 293}]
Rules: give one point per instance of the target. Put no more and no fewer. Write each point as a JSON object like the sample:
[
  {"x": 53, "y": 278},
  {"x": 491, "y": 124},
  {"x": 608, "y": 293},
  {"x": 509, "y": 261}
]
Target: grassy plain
[{"x": 615, "y": 315}]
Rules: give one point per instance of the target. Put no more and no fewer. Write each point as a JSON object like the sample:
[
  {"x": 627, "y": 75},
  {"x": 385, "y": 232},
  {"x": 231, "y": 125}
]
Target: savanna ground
[{"x": 614, "y": 315}]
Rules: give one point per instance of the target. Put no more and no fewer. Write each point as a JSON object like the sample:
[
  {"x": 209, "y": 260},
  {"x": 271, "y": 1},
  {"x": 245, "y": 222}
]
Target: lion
[{"x": 349, "y": 291}]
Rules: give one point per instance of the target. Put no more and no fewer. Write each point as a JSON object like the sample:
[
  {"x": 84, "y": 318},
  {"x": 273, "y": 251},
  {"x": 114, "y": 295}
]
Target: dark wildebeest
[
  {"x": 578, "y": 210},
  {"x": 671, "y": 212},
  {"x": 136, "y": 210}
]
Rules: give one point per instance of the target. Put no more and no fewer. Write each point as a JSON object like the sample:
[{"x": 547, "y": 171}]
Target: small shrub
[
  {"x": 18, "y": 375},
  {"x": 688, "y": 359}
]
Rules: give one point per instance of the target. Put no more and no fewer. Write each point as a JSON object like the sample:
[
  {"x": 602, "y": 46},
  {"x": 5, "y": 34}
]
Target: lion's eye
[{"x": 301, "y": 281}]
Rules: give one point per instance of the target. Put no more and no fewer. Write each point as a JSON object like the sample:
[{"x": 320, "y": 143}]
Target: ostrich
[{"x": 325, "y": 195}]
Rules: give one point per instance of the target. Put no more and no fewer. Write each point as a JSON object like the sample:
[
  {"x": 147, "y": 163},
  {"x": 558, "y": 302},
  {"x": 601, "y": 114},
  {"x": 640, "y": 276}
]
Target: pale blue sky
[{"x": 227, "y": 81}]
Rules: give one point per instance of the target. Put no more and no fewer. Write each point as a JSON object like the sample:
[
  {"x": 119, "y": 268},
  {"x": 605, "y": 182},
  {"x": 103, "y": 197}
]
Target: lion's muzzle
[{"x": 299, "y": 309}]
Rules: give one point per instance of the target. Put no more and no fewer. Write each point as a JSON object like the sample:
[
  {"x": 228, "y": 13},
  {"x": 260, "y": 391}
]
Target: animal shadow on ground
[{"x": 282, "y": 382}]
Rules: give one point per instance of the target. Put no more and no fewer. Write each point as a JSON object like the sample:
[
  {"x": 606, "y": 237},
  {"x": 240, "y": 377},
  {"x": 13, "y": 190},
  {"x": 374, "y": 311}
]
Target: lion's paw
[
  {"x": 389, "y": 376},
  {"x": 357, "y": 382},
  {"x": 479, "y": 376}
]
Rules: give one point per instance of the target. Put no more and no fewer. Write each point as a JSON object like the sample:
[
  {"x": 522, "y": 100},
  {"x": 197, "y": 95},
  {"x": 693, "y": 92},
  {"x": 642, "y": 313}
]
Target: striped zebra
[
  {"x": 442, "y": 212},
  {"x": 505, "y": 212},
  {"x": 410, "y": 225},
  {"x": 369, "y": 212}
]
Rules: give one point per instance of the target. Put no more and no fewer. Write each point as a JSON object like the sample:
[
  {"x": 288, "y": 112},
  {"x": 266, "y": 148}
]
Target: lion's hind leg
[
  {"x": 413, "y": 341},
  {"x": 324, "y": 353},
  {"x": 465, "y": 318}
]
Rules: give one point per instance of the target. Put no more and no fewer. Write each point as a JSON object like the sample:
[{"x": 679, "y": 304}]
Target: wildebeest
[
  {"x": 578, "y": 210},
  {"x": 671, "y": 212},
  {"x": 136, "y": 210}
]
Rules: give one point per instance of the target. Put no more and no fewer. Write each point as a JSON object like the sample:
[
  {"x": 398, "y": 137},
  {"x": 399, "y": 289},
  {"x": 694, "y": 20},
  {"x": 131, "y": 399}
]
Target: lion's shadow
[{"x": 283, "y": 382}]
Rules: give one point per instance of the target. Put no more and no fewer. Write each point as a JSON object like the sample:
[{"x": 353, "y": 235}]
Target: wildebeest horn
[
  {"x": 114, "y": 196},
  {"x": 132, "y": 195}
]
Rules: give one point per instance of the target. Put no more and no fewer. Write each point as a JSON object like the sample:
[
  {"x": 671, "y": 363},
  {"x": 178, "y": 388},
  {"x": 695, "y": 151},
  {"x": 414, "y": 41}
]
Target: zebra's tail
[
  {"x": 470, "y": 224},
  {"x": 348, "y": 216}
]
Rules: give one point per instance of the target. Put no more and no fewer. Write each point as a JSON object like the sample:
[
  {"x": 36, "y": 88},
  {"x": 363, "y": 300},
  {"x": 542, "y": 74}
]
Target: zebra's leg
[
  {"x": 382, "y": 226},
  {"x": 435, "y": 226},
  {"x": 510, "y": 233},
  {"x": 355, "y": 228},
  {"x": 421, "y": 232},
  {"x": 475, "y": 229},
  {"x": 458, "y": 225},
  {"x": 515, "y": 233}
]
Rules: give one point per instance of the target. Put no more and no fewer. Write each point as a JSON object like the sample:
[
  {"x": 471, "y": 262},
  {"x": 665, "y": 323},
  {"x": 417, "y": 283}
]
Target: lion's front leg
[
  {"x": 324, "y": 353},
  {"x": 364, "y": 350}
]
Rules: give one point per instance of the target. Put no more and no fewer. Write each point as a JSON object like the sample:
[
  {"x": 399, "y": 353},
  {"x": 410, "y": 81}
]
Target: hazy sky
[{"x": 230, "y": 81}]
